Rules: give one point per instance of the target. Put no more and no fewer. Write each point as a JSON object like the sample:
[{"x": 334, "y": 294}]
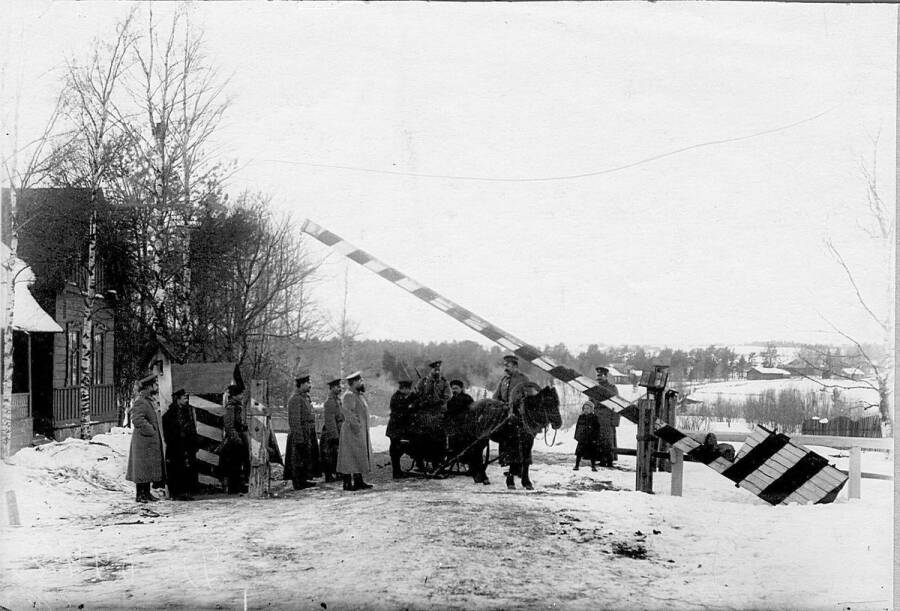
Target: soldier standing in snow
[
  {"x": 331, "y": 431},
  {"x": 145, "y": 460},
  {"x": 180, "y": 434},
  {"x": 355, "y": 449},
  {"x": 302, "y": 457}
]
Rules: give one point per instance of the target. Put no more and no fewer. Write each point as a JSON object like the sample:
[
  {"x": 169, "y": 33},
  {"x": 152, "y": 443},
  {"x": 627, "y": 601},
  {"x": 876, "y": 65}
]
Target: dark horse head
[{"x": 543, "y": 409}]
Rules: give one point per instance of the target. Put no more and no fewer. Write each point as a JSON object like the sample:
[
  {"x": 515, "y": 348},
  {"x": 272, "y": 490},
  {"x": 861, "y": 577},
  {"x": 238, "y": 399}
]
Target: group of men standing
[{"x": 344, "y": 448}]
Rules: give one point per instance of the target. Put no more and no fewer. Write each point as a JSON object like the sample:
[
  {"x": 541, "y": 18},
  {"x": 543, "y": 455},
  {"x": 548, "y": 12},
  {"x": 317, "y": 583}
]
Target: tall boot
[
  {"x": 140, "y": 495},
  {"x": 510, "y": 482},
  {"x": 578, "y": 462},
  {"x": 359, "y": 484},
  {"x": 347, "y": 483},
  {"x": 526, "y": 479}
]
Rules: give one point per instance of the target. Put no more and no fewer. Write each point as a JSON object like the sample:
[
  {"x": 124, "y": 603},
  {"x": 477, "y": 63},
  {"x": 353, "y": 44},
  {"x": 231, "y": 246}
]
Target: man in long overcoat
[
  {"x": 330, "y": 438},
  {"x": 145, "y": 460},
  {"x": 180, "y": 434},
  {"x": 355, "y": 449},
  {"x": 302, "y": 457},
  {"x": 608, "y": 419},
  {"x": 398, "y": 423}
]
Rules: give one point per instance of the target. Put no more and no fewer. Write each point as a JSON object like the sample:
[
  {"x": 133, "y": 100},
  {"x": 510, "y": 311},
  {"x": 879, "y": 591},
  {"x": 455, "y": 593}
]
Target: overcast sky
[{"x": 722, "y": 242}]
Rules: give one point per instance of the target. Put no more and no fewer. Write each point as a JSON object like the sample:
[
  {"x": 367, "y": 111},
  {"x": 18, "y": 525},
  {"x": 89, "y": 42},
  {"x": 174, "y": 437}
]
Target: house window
[
  {"x": 73, "y": 354},
  {"x": 97, "y": 353}
]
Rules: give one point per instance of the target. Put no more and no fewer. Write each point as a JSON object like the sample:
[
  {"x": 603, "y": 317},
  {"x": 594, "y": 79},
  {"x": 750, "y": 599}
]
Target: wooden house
[
  {"x": 767, "y": 373},
  {"x": 52, "y": 237}
]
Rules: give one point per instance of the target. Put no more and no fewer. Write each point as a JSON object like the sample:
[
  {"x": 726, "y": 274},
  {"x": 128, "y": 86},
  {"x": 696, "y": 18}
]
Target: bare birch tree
[{"x": 91, "y": 90}]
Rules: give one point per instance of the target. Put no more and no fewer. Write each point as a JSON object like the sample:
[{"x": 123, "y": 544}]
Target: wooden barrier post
[
  {"x": 645, "y": 444},
  {"x": 854, "y": 484},
  {"x": 258, "y": 424},
  {"x": 12, "y": 508},
  {"x": 676, "y": 462}
]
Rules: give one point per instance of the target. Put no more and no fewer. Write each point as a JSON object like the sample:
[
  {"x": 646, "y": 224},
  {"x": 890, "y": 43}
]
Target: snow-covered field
[{"x": 581, "y": 540}]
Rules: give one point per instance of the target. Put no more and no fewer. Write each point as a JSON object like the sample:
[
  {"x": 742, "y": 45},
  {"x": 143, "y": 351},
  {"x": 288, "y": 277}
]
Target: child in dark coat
[{"x": 587, "y": 434}]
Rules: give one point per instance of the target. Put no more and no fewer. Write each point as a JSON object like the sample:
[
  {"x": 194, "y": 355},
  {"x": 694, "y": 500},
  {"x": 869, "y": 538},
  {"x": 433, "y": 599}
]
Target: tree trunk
[
  {"x": 87, "y": 326},
  {"x": 8, "y": 268}
]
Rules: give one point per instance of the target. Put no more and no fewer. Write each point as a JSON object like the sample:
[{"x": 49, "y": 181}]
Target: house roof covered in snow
[
  {"x": 771, "y": 370},
  {"x": 28, "y": 315}
]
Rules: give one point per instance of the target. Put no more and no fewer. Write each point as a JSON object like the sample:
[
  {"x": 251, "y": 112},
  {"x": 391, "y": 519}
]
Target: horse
[{"x": 513, "y": 429}]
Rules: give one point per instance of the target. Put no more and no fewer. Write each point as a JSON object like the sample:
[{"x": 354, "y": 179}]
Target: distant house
[
  {"x": 801, "y": 367},
  {"x": 617, "y": 377},
  {"x": 767, "y": 373},
  {"x": 52, "y": 236}
]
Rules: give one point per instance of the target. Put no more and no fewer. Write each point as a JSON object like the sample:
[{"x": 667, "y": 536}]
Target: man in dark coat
[
  {"x": 234, "y": 458},
  {"x": 457, "y": 408},
  {"x": 401, "y": 406},
  {"x": 331, "y": 431},
  {"x": 514, "y": 379},
  {"x": 302, "y": 457},
  {"x": 145, "y": 460},
  {"x": 608, "y": 419},
  {"x": 433, "y": 390},
  {"x": 180, "y": 434}
]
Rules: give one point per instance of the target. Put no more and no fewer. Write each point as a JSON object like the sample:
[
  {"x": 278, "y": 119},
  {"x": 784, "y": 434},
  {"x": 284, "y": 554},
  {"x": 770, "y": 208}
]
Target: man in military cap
[
  {"x": 331, "y": 430},
  {"x": 401, "y": 406},
  {"x": 302, "y": 457},
  {"x": 513, "y": 380},
  {"x": 355, "y": 448},
  {"x": 608, "y": 420},
  {"x": 180, "y": 434},
  {"x": 145, "y": 460},
  {"x": 433, "y": 390}
]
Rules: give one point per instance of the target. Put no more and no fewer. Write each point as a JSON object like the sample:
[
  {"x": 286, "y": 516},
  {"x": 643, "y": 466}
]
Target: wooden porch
[{"x": 67, "y": 407}]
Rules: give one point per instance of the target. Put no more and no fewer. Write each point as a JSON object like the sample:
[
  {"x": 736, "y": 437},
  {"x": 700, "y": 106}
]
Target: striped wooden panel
[
  {"x": 769, "y": 465},
  {"x": 524, "y": 351},
  {"x": 210, "y": 433}
]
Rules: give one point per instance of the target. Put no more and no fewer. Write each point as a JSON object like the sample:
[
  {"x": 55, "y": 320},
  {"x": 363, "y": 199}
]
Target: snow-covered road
[{"x": 581, "y": 540}]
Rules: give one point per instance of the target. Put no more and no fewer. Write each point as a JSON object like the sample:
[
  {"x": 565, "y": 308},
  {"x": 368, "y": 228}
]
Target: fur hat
[{"x": 511, "y": 358}]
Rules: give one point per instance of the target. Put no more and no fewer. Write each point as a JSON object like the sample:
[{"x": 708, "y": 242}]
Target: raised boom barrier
[{"x": 796, "y": 474}]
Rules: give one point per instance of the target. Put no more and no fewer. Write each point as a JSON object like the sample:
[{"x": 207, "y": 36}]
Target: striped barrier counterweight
[{"x": 769, "y": 465}]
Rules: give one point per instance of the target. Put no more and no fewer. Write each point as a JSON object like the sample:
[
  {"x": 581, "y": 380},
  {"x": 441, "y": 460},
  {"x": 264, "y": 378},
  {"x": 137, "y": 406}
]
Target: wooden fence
[{"x": 67, "y": 406}]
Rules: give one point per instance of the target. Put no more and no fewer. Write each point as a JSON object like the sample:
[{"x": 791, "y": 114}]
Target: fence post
[
  {"x": 676, "y": 458},
  {"x": 258, "y": 423},
  {"x": 854, "y": 485}
]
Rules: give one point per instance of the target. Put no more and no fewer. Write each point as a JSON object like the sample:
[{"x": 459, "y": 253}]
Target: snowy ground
[{"x": 581, "y": 540}]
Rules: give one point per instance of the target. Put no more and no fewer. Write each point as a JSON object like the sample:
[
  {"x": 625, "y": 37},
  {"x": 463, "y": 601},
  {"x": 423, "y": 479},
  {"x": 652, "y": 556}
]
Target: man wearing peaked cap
[
  {"x": 301, "y": 462},
  {"x": 331, "y": 430},
  {"x": 355, "y": 447},
  {"x": 510, "y": 381},
  {"x": 433, "y": 389},
  {"x": 145, "y": 459},
  {"x": 398, "y": 424}
]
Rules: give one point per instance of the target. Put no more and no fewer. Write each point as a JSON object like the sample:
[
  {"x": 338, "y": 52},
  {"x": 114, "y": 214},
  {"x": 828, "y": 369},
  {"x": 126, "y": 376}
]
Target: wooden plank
[
  {"x": 827, "y": 441},
  {"x": 677, "y": 458},
  {"x": 209, "y": 481},
  {"x": 208, "y": 457},
  {"x": 210, "y": 432},
  {"x": 854, "y": 485}
]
